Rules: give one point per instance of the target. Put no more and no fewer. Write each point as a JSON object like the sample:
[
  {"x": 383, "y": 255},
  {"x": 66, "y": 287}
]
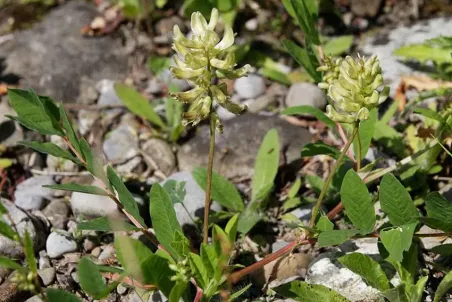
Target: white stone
[
  {"x": 249, "y": 87},
  {"x": 58, "y": 244}
]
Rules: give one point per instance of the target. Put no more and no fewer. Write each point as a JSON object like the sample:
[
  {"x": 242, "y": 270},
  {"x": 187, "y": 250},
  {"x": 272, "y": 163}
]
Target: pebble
[
  {"x": 30, "y": 195},
  {"x": 96, "y": 251},
  {"x": 74, "y": 276},
  {"x": 86, "y": 119},
  {"x": 107, "y": 253},
  {"x": 249, "y": 87},
  {"x": 93, "y": 206},
  {"x": 10, "y": 131},
  {"x": 252, "y": 24},
  {"x": 194, "y": 199},
  {"x": 108, "y": 96},
  {"x": 57, "y": 212},
  {"x": 162, "y": 154},
  {"x": 305, "y": 94},
  {"x": 121, "y": 144},
  {"x": 58, "y": 244},
  {"x": 44, "y": 261},
  {"x": 47, "y": 275},
  {"x": 121, "y": 289}
]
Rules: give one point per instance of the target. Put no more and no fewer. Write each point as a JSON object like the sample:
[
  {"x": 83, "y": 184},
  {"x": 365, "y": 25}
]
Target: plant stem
[
  {"x": 358, "y": 154},
  {"x": 315, "y": 210},
  {"x": 209, "y": 180}
]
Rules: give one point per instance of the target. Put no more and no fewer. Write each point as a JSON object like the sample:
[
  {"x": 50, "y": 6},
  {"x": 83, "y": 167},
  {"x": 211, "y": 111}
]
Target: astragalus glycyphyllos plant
[{"x": 203, "y": 60}]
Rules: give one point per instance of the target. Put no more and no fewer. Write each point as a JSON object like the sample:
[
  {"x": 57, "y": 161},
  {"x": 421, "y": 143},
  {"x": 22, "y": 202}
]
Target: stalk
[
  {"x": 209, "y": 180},
  {"x": 358, "y": 154},
  {"x": 315, "y": 210}
]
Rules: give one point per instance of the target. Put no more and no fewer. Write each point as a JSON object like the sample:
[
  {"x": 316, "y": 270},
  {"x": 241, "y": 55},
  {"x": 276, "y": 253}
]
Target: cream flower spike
[{"x": 201, "y": 58}]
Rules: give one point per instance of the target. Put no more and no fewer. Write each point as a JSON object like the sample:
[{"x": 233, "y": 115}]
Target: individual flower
[
  {"x": 352, "y": 86},
  {"x": 201, "y": 59}
]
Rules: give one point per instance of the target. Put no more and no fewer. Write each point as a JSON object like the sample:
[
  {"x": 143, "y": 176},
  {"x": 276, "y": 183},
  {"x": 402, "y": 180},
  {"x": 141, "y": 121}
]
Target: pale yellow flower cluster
[
  {"x": 201, "y": 60},
  {"x": 352, "y": 87}
]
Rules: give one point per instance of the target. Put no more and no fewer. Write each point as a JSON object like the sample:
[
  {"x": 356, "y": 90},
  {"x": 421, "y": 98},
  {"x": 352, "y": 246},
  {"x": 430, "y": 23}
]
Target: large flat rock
[
  {"x": 237, "y": 147},
  {"x": 56, "y": 60}
]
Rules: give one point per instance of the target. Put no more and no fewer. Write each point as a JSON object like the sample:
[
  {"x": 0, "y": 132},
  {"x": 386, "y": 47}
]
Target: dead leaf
[{"x": 422, "y": 83}]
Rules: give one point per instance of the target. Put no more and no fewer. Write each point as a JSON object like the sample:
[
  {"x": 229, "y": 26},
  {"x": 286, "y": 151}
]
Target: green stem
[
  {"x": 315, "y": 210},
  {"x": 209, "y": 180},
  {"x": 358, "y": 154}
]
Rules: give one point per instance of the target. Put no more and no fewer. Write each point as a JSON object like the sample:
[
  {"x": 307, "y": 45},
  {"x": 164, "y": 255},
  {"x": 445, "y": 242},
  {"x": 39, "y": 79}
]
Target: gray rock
[
  {"x": 47, "y": 275},
  {"x": 365, "y": 8},
  {"x": 252, "y": 24},
  {"x": 107, "y": 253},
  {"x": 303, "y": 212},
  {"x": 93, "y": 206},
  {"x": 44, "y": 260},
  {"x": 121, "y": 144},
  {"x": 368, "y": 246},
  {"x": 56, "y": 60},
  {"x": 10, "y": 131},
  {"x": 58, "y": 244},
  {"x": 162, "y": 154},
  {"x": 166, "y": 77},
  {"x": 279, "y": 244},
  {"x": 30, "y": 195},
  {"x": 250, "y": 87},
  {"x": 108, "y": 96},
  {"x": 36, "y": 298},
  {"x": 86, "y": 119},
  {"x": 194, "y": 199},
  {"x": 237, "y": 147},
  {"x": 23, "y": 223},
  {"x": 154, "y": 86},
  {"x": 430, "y": 242},
  {"x": 121, "y": 289},
  {"x": 60, "y": 164},
  {"x": 305, "y": 94},
  {"x": 74, "y": 276},
  {"x": 385, "y": 42},
  {"x": 165, "y": 25},
  {"x": 57, "y": 212},
  {"x": 327, "y": 272}
]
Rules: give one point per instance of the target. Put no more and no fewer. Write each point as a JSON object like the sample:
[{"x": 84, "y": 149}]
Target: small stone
[
  {"x": 58, "y": 244},
  {"x": 10, "y": 131},
  {"x": 165, "y": 26},
  {"x": 121, "y": 289},
  {"x": 121, "y": 144},
  {"x": 86, "y": 120},
  {"x": 66, "y": 282},
  {"x": 154, "y": 87},
  {"x": 162, "y": 154},
  {"x": 88, "y": 245},
  {"x": 279, "y": 244},
  {"x": 108, "y": 96},
  {"x": 30, "y": 195},
  {"x": 194, "y": 199},
  {"x": 430, "y": 242},
  {"x": 60, "y": 164},
  {"x": 47, "y": 275},
  {"x": 166, "y": 77},
  {"x": 250, "y": 87},
  {"x": 323, "y": 271},
  {"x": 93, "y": 206},
  {"x": 44, "y": 261},
  {"x": 303, "y": 212},
  {"x": 364, "y": 8},
  {"x": 36, "y": 298},
  {"x": 96, "y": 251},
  {"x": 107, "y": 253},
  {"x": 74, "y": 276},
  {"x": 305, "y": 94},
  {"x": 252, "y": 24},
  {"x": 57, "y": 212}
]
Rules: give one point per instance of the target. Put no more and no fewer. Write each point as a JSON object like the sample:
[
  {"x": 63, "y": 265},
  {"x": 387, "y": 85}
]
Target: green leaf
[
  {"x": 389, "y": 138},
  {"x": 290, "y": 203},
  {"x": 50, "y": 148},
  {"x": 358, "y": 202},
  {"x": 443, "y": 287},
  {"x": 30, "y": 253},
  {"x": 131, "y": 253},
  {"x": 396, "y": 201},
  {"x": 10, "y": 264},
  {"x": 177, "y": 291},
  {"x": 324, "y": 224},
  {"x": 423, "y": 53},
  {"x": 73, "y": 187},
  {"x": 430, "y": 114},
  {"x": 124, "y": 196},
  {"x": 191, "y": 6},
  {"x": 303, "y": 57},
  {"x": 398, "y": 240},
  {"x": 397, "y": 294},
  {"x": 7, "y": 231},
  {"x": 305, "y": 292},
  {"x": 209, "y": 258},
  {"x": 289, "y": 8},
  {"x": 439, "y": 209},
  {"x": 163, "y": 215},
  {"x": 294, "y": 188},
  {"x": 34, "y": 112},
  {"x": 367, "y": 268},
  {"x": 417, "y": 290},
  {"x": 275, "y": 75},
  {"x": 70, "y": 132},
  {"x": 223, "y": 191},
  {"x": 231, "y": 227},
  {"x": 91, "y": 280},
  {"x": 317, "y": 113},
  {"x": 338, "y": 45},
  {"x": 156, "y": 271},
  {"x": 366, "y": 132},
  {"x": 319, "y": 148},
  {"x": 160, "y": 3},
  {"x": 175, "y": 190},
  {"x": 158, "y": 64},
  {"x": 335, "y": 237},
  {"x": 306, "y": 14},
  {"x": 106, "y": 224},
  {"x": 240, "y": 292},
  {"x": 138, "y": 104},
  {"x": 248, "y": 219},
  {"x": 266, "y": 165},
  {"x": 199, "y": 270},
  {"x": 93, "y": 162},
  {"x": 315, "y": 182},
  {"x": 181, "y": 244},
  {"x": 444, "y": 249},
  {"x": 58, "y": 295}
]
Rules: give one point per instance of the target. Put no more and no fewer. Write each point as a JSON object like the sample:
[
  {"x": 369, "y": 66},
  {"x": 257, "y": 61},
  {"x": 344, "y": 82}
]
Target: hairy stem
[
  {"x": 315, "y": 210},
  {"x": 358, "y": 154},
  {"x": 209, "y": 180}
]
